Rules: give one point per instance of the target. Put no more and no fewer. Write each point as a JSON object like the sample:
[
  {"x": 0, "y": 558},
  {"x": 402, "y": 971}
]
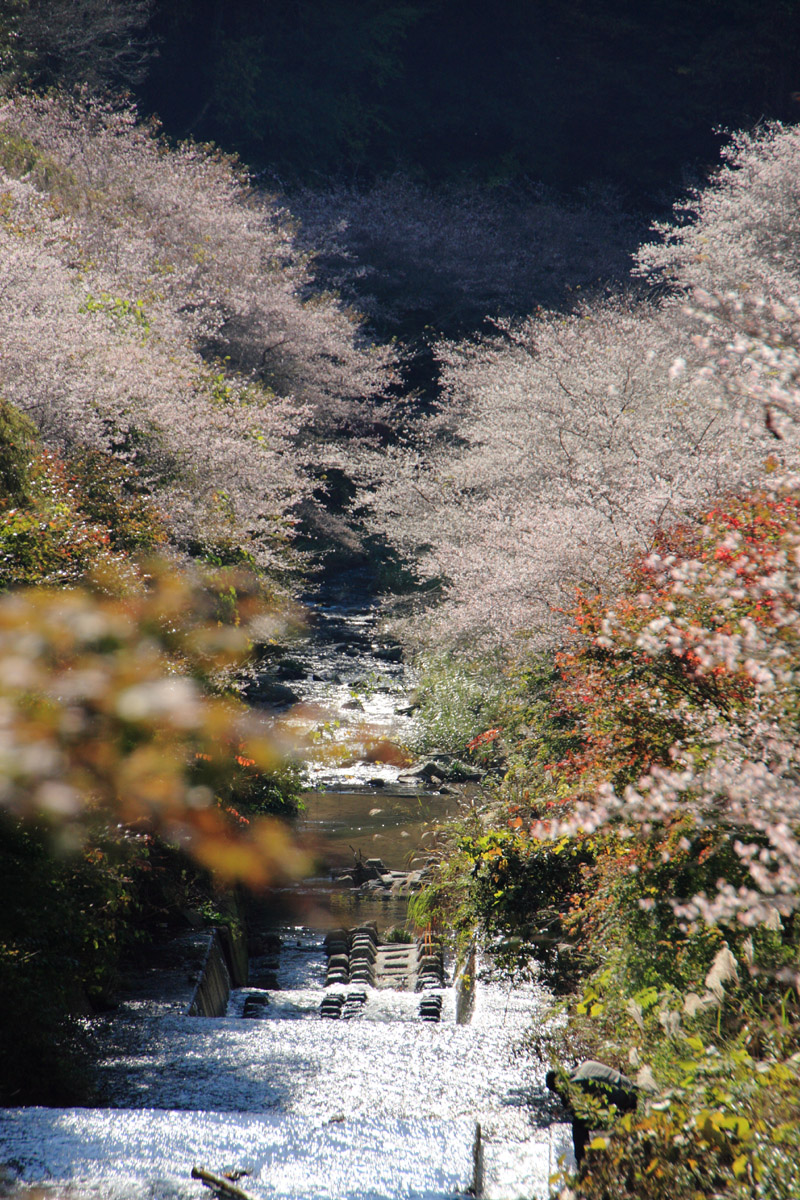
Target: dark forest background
[{"x": 568, "y": 92}]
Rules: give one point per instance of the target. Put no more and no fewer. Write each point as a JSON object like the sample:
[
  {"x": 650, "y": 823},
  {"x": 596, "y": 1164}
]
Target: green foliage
[
  {"x": 18, "y": 444},
  {"x": 717, "y": 1117},
  {"x": 130, "y": 314},
  {"x": 69, "y": 43},
  {"x": 47, "y": 539},
  {"x": 21, "y": 158},
  {"x": 57, "y": 520},
  {"x": 309, "y": 80},
  {"x": 521, "y": 889},
  {"x": 399, "y": 936},
  {"x": 254, "y": 790},
  {"x": 457, "y": 699},
  {"x": 111, "y": 494},
  {"x": 67, "y": 917},
  {"x": 538, "y": 729},
  {"x": 62, "y": 926},
  {"x": 446, "y": 902}
]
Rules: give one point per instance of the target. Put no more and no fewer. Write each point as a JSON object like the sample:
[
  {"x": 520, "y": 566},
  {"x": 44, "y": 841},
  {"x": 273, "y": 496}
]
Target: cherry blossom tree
[
  {"x": 560, "y": 443},
  {"x": 732, "y": 253},
  {"x": 155, "y": 307},
  {"x": 564, "y": 441}
]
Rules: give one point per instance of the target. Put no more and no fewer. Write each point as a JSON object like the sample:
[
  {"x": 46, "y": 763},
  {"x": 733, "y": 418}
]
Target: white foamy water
[
  {"x": 380, "y": 1107},
  {"x": 147, "y": 1153}
]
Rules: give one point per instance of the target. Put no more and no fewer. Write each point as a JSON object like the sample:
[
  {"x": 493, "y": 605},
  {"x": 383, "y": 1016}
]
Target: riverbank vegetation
[
  {"x": 640, "y": 841},
  {"x": 131, "y": 773},
  {"x": 167, "y": 387}
]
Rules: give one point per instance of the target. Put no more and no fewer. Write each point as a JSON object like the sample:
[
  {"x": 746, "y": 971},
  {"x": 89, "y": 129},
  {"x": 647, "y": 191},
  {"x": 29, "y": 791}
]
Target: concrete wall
[{"x": 214, "y": 986}]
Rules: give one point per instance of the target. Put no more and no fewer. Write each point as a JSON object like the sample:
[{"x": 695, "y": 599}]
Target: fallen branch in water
[{"x": 220, "y": 1184}]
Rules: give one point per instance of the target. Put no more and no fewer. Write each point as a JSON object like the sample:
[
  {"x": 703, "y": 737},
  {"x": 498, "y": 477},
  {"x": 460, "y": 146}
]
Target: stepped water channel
[{"x": 347, "y": 1067}]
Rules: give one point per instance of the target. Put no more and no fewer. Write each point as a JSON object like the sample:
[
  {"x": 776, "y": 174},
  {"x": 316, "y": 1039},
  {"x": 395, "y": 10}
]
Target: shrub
[
  {"x": 456, "y": 701},
  {"x": 17, "y": 444}
]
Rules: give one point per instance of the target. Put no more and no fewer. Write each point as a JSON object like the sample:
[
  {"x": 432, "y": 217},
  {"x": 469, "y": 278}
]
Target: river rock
[
  {"x": 458, "y": 772},
  {"x": 427, "y": 772},
  {"x": 385, "y": 653},
  {"x": 271, "y": 693},
  {"x": 290, "y": 668},
  {"x": 375, "y": 887}
]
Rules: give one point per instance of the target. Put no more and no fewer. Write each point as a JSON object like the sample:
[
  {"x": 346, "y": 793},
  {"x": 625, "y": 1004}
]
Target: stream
[
  {"x": 351, "y": 696},
  {"x": 380, "y": 1103}
]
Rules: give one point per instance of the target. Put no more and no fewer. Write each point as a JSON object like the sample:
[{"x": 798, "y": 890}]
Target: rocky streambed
[{"x": 344, "y": 699}]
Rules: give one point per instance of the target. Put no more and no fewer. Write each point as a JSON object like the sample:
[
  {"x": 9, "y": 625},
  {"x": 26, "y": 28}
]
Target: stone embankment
[{"x": 224, "y": 966}]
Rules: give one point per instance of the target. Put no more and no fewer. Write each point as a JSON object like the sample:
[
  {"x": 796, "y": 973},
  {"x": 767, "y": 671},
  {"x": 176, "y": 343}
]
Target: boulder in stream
[
  {"x": 427, "y": 772},
  {"x": 271, "y": 693},
  {"x": 290, "y": 668}
]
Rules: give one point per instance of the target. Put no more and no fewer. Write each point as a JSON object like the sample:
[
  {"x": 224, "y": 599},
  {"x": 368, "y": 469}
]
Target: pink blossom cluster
[
  {"x": 154, "y": 306},
  {"x": 731, "y": 255},
  {"x": 564, "y": 442}
]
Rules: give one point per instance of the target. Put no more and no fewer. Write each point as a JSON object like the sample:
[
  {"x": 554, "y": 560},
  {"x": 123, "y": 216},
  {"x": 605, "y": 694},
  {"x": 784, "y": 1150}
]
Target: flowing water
[
  {"x": 353, "y": 696},
  {"x": 382, "y": 1105}
]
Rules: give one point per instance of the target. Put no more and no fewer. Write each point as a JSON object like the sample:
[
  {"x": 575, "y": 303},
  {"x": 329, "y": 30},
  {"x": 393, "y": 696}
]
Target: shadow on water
[
  {"x": 394, "y": 828},
  {"x": 338, "y": 827}
]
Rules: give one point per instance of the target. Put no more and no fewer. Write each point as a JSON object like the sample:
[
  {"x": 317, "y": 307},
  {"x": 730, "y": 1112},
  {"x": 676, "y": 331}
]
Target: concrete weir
[
  {"x": 356, "y": 956},
  {"x": 224, "y": 966}
]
